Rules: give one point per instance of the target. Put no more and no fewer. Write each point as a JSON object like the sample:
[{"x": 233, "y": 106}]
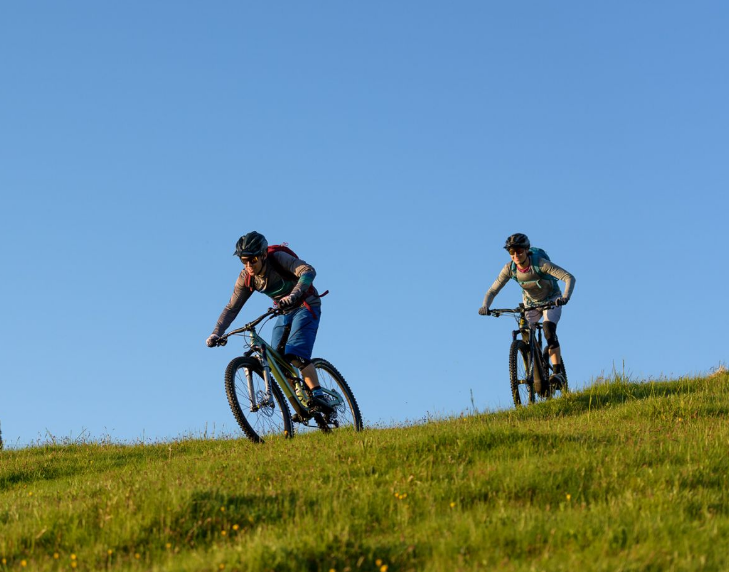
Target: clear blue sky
[{"x": 394, "y": 145}]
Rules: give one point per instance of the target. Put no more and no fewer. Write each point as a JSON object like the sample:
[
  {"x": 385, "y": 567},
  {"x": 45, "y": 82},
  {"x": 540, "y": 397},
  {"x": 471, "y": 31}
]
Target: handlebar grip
[{"x": 222, "y": 341}]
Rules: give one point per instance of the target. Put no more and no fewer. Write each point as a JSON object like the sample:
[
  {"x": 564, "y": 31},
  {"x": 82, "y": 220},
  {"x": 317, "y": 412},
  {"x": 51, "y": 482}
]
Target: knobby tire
[
  {"x": 348, "y": 413},
  {"x": 268, "y": 420},
  {"x": 522, "y": 389}
]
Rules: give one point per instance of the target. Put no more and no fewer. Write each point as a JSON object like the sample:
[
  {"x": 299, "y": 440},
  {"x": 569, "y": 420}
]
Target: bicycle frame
[
  {"x": 276, "y": 367},
  {"x": 534, "y": 342},
  {"x": 536, "y": 367},
  {"x": 273, "y": 366}
]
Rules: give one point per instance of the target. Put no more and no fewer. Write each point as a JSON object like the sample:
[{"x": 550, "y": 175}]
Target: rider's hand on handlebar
[
  {"x": 561, "y": 301},
  {"x": 212, "y": 341},
  {"x": 288, "y": 302},
  {"x": 484, "y": 311}
]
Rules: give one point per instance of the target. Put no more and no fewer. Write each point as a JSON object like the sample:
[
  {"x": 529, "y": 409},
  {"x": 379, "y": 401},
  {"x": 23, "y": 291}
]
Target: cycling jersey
[
  {"x": 535, "y": 289},
  {"x": 271, "y": 283}
]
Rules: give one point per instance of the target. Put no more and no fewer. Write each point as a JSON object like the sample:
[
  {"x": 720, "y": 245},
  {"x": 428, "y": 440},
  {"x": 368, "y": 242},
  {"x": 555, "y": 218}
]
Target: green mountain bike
[
  {"x": 261, "y": 384},
  {"x": 529, "y": 367}
]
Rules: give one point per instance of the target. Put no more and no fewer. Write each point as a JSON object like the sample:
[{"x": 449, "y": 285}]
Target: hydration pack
[{"x": 535, "y": 254}]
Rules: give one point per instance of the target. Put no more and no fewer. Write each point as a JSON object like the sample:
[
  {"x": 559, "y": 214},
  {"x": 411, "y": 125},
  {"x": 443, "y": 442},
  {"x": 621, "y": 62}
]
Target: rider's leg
[
  {"x": 310, "y": 377},
  {"x": 300, "y": 343},
  {"x": 307, "y": 369},
  {"x": 555, "y": 353},
  {"x": 551, "y": 318}
]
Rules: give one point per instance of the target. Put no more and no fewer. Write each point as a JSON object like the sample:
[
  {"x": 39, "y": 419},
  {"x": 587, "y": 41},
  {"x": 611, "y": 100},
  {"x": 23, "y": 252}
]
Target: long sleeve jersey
[
  {"x": 271, "y": 283},
  {"x": 536, "y": 289}
]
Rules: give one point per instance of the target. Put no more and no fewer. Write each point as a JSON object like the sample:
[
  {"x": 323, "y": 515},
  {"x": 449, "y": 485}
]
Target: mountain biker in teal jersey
[
  {"x": 537, "y": 276},
  {"x": 288, "y": 281}
]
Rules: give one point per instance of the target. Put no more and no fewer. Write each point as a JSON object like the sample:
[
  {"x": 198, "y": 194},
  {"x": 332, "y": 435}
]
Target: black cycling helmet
[
  {"x": 251, "y": 244},
  {"x": 517, "y": 240}
]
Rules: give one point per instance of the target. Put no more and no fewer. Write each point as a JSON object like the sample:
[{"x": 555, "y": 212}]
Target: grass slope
[{"x": 622, "y": 476}]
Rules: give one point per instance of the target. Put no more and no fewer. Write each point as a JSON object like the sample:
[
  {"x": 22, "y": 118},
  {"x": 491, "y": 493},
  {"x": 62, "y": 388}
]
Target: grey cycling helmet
[
  {"x": 251, "y": 244},
  {"x": 517, "y": 240}
]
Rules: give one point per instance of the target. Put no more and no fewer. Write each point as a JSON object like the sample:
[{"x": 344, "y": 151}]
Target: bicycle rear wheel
[
  {"x": 522, "y": 388},
  {"x": 257, "y": 414},
  {"x": 347, "y": 413}
]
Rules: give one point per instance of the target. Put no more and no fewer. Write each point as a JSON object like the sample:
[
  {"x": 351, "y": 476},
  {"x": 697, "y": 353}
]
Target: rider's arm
[
  {"x": 241, "y": 293},
  {"x": 498, "y": 284},
  {"x": 560, "y": 274}
]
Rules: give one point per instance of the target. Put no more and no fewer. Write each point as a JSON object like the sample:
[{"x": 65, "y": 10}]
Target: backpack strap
[
  {"x": 538, "y": 270},
  {"x": 247, "y": 281}
]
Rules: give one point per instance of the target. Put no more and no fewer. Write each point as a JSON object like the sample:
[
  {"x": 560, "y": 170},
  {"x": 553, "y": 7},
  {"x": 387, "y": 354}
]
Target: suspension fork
[
  {"x": 266, "y": 399},
  {"x": 529, "y": 337},
  {"x": 266, "y": 373}
]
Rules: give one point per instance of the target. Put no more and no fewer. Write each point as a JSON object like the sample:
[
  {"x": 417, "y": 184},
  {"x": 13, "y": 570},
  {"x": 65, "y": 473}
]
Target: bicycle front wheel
[
  {"x": 347, "y": 412},
  {"x": 259, "y": 414},
  {"x": 522, "y": 388}
]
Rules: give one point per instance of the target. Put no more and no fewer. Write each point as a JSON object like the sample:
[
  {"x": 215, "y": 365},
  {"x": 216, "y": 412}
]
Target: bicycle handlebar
[
  {"x": 249, "y": 326},
  {"x": 522, "y": 309}
]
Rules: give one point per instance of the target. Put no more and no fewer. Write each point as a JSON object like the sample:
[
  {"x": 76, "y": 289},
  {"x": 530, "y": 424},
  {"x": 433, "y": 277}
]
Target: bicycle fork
[
  {"x": 532, "y": 337},
  {"x": 267, "y": 397}
]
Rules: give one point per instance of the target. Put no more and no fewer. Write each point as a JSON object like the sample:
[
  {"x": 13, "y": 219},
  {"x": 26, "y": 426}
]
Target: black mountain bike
[
  {"x": 259, "y": 383},
  {"x": 529, "y": 365}
]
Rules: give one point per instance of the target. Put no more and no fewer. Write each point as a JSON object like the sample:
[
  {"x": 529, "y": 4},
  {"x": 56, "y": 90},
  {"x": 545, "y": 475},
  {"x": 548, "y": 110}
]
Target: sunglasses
[
  {"x": 518, "y": 251},
  {"x": 250, "y": 261}
]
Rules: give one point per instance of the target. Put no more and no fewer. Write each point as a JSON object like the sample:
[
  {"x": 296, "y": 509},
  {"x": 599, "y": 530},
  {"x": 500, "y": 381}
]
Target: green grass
[{"x": 622, "y": 476}]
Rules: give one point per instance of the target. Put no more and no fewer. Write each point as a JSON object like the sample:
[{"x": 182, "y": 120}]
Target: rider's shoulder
[{"x": 282, "y": 255}]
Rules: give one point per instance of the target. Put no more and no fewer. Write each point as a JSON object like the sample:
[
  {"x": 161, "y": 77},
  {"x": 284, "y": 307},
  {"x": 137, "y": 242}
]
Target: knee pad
[
  {"x": 550, "y": 333},
  {"x": 296, "y": 361}
]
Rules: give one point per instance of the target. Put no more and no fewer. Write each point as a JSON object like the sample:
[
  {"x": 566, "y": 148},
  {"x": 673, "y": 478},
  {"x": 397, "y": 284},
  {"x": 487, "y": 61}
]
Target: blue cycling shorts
[{"x": 301, "y": 338}]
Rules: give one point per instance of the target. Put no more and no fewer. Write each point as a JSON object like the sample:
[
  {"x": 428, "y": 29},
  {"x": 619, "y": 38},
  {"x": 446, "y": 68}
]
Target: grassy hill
[{"x": 622, "y": 476}]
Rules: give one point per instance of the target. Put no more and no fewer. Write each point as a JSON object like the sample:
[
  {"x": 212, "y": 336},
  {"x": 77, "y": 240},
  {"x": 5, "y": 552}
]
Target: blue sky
[{"x": 394, "y": 146}]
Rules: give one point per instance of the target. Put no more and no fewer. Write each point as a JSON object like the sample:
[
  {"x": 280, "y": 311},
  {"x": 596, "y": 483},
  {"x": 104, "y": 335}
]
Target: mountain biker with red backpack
[
  {"x": 280, "y": 274},
  {"x": 537, "y": 275}
]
